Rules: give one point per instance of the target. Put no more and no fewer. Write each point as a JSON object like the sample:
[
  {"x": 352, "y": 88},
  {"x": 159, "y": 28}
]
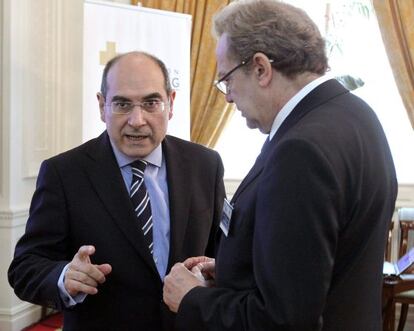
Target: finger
[
  {"x": 196, "y": 269},
  {"x": 88, "y": 269},
  {"x": 81, "y": 262},
  {"x": 192, "y": 261},
  {"x": 74, "y": 287},
  {"x": 207, "y": 266},
  {"x": 207, "y": 269},
  {"x": 76, "y": 281},
  {"x": 95, "y": 273},
  {"x": 78, "y": 276},
  {"x": 197, "y": 272},
  {"x": 104, "y": 268},
  {"x": 84, "y": 252}
]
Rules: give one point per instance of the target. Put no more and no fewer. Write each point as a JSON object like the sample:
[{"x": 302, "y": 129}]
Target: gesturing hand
[
  {"x": 82, "y": 276},
  {"x": 202, "y": 266},
  {"x": 177, "y": 283}
]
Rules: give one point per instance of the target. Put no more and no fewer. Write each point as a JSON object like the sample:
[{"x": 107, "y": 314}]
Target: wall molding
[
  {"x": 5, "y": 40},
  {"x": 13, "y": 218},
  {"x": 19, "y": 316},
  {"x": 2, "y": 125},
  {"x": 17, "y": 309},
  {"x": 47, "y": 57},
  {"x": 38, "y": 32}
]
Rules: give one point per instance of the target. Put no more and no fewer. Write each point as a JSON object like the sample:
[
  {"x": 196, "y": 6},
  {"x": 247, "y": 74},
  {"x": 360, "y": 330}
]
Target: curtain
[
  {"x": 396, "y": 22},
  {"x": 209, "y": 111}
]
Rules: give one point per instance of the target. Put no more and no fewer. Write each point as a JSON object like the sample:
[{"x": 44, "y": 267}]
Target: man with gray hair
[{"x": 302, "y": 240}]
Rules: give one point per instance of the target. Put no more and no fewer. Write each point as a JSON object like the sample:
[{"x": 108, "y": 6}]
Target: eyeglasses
[
  {"x": 222, "y": 83},
  {"x": 148, "y": 106}
]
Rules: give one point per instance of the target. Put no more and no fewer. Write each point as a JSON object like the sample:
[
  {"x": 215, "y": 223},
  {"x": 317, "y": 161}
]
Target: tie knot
[{"x": 138, "y": 167}]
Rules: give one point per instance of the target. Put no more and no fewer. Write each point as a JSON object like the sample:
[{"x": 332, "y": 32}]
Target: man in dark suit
[
  {"x": 84, "y": 250},
  {"x": 303, "y": 242}
]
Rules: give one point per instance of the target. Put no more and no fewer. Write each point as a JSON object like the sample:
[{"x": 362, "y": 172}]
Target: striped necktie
[{"x": 141, "y": 201}]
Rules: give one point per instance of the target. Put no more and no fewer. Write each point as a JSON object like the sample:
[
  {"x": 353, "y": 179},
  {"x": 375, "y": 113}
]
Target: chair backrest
[
  {"x": 388, "y": 244},
  {"x": 406, "y": 222}
]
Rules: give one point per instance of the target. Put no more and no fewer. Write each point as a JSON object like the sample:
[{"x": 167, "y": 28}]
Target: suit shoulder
[
  {"x": 188, "y": 146},
  {"x": 74, "y": 152}
]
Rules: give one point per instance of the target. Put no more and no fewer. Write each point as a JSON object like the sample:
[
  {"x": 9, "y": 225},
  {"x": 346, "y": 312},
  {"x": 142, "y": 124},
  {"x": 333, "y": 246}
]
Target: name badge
[{"x": 226, "y": 217}]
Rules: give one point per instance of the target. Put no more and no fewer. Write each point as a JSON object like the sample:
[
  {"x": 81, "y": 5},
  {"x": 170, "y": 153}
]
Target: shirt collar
[
  {"x": 292, "y": 103},
  {"x": 155, "y": 157}
]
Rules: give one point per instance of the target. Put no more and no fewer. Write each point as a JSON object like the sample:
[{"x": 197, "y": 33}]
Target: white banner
[{"x": 111, "y": 29}]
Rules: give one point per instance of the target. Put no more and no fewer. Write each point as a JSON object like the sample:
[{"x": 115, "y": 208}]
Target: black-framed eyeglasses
[{"x": 222, "y": 83}]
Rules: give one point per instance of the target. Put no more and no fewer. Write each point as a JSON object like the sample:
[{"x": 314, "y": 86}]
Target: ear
[
  {"x": 101, "y": 101},
  {"x": 170, "y": 111},
  {"x": 263, "y": 70}
]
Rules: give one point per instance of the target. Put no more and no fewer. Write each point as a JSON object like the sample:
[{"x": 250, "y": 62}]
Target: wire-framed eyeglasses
[{"x": 148, "y": 106}]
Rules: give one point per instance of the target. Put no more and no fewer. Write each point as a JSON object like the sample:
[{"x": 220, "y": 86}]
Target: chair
[
  {"x": 406, "y": 222},
  {"x": 388, "y": 244},
  {"x": 389, "y": 285}
]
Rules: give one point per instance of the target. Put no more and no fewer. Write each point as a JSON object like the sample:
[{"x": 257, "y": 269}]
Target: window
[{"x": 358, "y": 51}]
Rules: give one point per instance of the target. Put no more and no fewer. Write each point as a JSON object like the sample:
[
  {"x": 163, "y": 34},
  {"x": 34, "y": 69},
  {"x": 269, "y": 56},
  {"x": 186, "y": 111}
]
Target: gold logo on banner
[{"x": 109, "y": 53}]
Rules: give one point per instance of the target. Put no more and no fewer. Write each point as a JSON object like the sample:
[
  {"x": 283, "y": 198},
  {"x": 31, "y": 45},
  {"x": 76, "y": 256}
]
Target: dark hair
[
  {"x": 283, "y": 32},
  {"x": 109, "y": 65}
]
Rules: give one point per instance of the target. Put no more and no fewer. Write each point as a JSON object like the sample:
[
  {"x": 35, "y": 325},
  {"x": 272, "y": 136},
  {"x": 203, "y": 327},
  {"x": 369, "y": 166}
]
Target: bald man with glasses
[{"x": 109, "y": 218}]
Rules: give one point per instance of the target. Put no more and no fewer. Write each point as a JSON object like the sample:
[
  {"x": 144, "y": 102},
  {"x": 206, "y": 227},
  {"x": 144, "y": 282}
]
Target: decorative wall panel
[{"x": 37, "y": 62}]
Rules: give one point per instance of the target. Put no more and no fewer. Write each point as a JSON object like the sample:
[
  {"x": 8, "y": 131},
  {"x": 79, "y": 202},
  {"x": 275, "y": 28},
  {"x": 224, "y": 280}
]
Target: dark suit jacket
[
  {"x": 306, "y": 242},
  {"x": 81, "y": 199}
]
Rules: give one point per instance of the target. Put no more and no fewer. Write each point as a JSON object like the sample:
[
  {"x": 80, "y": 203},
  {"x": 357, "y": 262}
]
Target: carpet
[{"x": 50, "y": 323}]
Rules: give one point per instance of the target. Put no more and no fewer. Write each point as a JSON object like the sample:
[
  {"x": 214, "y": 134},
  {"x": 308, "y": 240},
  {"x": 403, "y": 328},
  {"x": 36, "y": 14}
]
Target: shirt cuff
[{"x": 67, "y": 299}]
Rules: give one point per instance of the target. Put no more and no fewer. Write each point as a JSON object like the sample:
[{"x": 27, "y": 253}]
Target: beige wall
[{"x": 40, "y": 115}]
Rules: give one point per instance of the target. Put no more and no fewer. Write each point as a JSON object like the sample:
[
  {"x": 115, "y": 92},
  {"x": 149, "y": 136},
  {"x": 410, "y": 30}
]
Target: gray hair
[{"x": 283, "y": 32}]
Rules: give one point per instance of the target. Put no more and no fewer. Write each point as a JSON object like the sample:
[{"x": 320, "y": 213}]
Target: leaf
[{"x": 350, "y": 82}]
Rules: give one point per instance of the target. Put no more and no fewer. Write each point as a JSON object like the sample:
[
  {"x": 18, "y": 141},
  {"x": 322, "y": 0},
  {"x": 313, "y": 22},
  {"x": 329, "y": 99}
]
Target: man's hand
[
  {"x": 82, "y": 276},
  {"x": 177, "y": 284},
  {"x": 191, "y": 262},
  {"x": 202, "y": 266}
]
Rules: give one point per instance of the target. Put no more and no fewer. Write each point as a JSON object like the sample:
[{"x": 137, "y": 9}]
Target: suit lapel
[
  {"x": 255, "y": 170},
  {"x": 321, "y": 94},
  {"x": 178, "y": 170},
  {"x": 108, "y": 183}
]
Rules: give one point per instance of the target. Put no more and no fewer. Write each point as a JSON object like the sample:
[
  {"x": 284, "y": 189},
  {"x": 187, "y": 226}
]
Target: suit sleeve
[
  {"x": 219, "y": 195},
  {"x": 294, "y": 241},
  {"x": 40, "y": 254}
]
